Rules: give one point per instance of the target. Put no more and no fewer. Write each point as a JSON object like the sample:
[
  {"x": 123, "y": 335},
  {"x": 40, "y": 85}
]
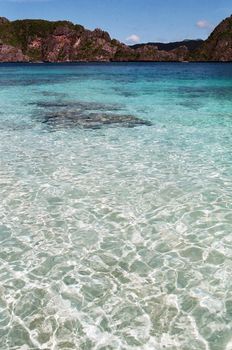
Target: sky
[{"x": 130, "y": 21}]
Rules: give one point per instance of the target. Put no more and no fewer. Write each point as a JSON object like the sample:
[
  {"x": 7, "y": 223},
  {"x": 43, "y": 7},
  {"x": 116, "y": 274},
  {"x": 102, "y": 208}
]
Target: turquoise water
[{"x": 116, "y": 234}]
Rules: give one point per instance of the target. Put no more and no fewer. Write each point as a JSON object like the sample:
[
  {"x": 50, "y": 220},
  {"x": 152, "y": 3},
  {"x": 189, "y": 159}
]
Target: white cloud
[
  {"x": 203, "y": 24},
  {"x": 133, "y": 38}
]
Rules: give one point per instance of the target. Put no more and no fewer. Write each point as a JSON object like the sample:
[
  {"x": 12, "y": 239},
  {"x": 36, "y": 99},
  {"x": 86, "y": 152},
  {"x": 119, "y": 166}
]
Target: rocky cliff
[
  {"x": 218, "y": 47},
  {"x": 63, "y": 41}
]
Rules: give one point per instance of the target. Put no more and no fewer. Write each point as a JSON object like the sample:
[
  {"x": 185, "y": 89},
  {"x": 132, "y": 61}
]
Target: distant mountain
[
  {"x": 190, "y": 44},
  {"x": 218, "y": 47},
  {"x": 62, "y": 41}
]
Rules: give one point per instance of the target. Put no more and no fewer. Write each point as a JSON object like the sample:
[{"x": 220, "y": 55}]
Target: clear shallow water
[{"x": 116, "y": 238}]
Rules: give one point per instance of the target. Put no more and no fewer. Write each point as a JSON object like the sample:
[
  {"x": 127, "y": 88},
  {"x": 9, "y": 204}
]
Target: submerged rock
[
  {"x": 73, "y": 106},
  {"x": 92, "y": 120},
  {"x": 62, "y": 114}
]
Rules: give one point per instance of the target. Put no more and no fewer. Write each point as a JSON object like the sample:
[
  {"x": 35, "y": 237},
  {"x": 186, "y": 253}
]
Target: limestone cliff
[
  {"x": 218, "y": 47},
  {"x": 63, "y": 41}
]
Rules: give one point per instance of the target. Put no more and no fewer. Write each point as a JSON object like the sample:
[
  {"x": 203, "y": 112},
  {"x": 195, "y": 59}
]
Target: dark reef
[{"x": 65, "y": 114}]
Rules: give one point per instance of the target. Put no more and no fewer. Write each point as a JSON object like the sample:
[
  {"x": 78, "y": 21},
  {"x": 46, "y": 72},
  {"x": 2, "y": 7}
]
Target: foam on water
[{"x": 117, "y": 237}]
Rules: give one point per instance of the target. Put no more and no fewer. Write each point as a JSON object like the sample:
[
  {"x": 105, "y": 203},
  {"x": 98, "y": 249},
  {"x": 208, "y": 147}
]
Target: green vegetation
[
  {"x": 19, "y": 33},
  {"x": 41, "y": 40},
  {"x": 218, "y": 46}
]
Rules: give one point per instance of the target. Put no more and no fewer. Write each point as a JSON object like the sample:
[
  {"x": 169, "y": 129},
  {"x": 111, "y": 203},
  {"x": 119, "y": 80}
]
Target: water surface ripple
[{"x": 116, "y": 237}]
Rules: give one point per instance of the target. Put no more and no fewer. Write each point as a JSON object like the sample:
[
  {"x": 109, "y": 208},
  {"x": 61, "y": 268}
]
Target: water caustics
[{"x": 116, "y": 206}]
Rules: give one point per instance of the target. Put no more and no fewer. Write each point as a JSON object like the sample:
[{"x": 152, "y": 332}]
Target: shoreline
[{"x": 108, "y": 62}]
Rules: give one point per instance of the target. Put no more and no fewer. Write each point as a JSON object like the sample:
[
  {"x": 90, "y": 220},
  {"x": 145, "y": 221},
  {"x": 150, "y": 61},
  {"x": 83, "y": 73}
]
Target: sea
[{"x": 116, "y": 206}]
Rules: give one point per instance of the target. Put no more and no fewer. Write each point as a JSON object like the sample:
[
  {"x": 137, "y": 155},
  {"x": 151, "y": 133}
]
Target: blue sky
[{"x": 129, "y": 20}]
